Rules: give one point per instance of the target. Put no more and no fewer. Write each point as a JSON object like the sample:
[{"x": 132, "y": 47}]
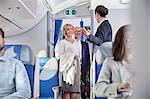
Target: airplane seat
[
  {"x": 104, "y": 51},
  {"x": 23, "y": 53},
  {"x": 48, "y": 76}
]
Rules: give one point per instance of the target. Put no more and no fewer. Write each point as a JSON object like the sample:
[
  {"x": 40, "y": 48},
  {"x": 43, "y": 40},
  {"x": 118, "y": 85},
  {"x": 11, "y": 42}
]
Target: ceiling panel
[
  {"x": 15, "y": 9},
  {"x": 15, "y": 16},
  {"x": 7, "y": 26},
  {"x": 111, "y": 4},
  {"x": 55, "y": 2},
  {"x": 66, "y": 4},
  {"x": 82, "y": 11}
]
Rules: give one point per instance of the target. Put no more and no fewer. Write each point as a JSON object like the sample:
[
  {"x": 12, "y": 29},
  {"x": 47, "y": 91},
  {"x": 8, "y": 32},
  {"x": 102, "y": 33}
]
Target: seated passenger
[
  {"x": 115, "y": 77},
  {"x": 14, "y": 82},
  {"x": 69, "y": 64}
]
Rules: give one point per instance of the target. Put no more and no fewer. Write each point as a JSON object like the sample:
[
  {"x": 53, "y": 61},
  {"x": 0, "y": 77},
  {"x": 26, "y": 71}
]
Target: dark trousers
[{"x": 85, "y": 71}]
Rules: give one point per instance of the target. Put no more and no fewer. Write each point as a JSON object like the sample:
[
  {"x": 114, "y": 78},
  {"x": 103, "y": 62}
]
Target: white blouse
[{"x": 66, "y": 51}]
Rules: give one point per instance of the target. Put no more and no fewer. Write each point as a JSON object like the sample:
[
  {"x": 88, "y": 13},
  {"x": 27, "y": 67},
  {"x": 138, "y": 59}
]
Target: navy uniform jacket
[{"x": 103, "y": 34}]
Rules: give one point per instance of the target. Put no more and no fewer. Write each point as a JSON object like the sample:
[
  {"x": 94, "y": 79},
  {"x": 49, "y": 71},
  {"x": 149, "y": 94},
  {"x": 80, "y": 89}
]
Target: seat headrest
[
  {"x": 103, "y": 51},
  {"x": 21, "y": 52}
]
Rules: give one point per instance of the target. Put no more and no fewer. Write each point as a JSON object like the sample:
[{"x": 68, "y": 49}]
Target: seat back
[
  {"x": 48, "y": 76},
  {"x": 104, "y": 51},
  {"x": 23, "y": 53}
]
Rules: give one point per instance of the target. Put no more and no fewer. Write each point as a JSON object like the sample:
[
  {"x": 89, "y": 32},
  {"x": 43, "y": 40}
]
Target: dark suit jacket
[{"x": 103, "y": 34}]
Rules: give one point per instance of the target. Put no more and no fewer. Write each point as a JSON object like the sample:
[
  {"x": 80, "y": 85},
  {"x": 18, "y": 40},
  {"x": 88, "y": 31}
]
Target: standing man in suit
[
  {"x": 104, "y": 30},
  {"x": 85, "y": 65}
]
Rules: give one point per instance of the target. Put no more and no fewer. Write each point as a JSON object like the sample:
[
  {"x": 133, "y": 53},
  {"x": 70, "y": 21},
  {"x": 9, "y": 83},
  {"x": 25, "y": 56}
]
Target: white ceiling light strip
[
  {"x": 27, "y": 8},
  {"x": 125, "y": 1},
  {"x": 11, "y": 22},
  {"x": 48, "y": 5},
  {"x": 80, "y": 4}
]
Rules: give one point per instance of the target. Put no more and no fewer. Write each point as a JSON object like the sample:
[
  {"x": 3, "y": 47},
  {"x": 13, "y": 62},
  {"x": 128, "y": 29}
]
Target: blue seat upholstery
[
  {"x": 13, "y": 50},
  {"x": 30, "y": 70},
  {"x": 103, "y": 52},
  {"x": 23, "y": 53},
  {"x": 98, "y": 69},
  {"x": 48, "y": 77}
]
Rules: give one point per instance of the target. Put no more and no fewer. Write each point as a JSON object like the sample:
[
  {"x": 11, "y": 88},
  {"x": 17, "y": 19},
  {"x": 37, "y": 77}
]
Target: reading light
[{"x": 125, "y": 1}]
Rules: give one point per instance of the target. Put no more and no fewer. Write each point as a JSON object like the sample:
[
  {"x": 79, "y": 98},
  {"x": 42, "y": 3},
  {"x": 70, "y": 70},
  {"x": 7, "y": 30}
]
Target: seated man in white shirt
[{"x": 14, "y": 82}]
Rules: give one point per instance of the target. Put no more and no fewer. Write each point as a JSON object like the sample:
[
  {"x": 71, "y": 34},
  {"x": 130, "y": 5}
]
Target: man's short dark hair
[{"x": 1, "y": 32}]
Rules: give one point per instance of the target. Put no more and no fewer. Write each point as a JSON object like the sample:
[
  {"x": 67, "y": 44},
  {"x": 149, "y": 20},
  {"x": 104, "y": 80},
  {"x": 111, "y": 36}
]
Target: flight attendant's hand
[{"x": 85, "y": 32}]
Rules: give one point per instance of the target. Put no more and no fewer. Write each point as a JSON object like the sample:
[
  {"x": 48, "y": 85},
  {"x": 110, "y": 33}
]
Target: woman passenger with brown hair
[{"x": 115, "y": 77}]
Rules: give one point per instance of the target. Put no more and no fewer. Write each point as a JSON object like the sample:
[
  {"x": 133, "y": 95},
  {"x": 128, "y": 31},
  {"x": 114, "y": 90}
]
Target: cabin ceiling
[{"x": 17, "y": 15}]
